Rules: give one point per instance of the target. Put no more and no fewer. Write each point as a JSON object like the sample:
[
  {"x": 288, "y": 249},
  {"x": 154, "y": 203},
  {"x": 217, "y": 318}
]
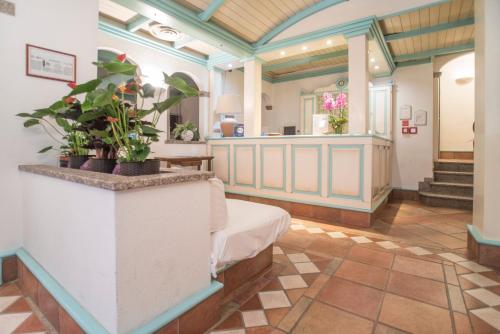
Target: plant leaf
[
  {"x": 85, "y": 87},
  {"x": 90, "y": 115},
  {"x": 149, "y": 130},
  {"x": 57, "y": 105},
  {"x": 100, "y": 133},
  {"x": 148, "y": 90},
  {"x": 45, "y": 149},
  {"x": 63, "y": 124},
  {"x": 115, "y": 66},
  {"x": 180, "y": 85},
  {"x": 31, "y": 122},
  {"x": 168, "y": 103},
  {"x": 24, "y": 114}
]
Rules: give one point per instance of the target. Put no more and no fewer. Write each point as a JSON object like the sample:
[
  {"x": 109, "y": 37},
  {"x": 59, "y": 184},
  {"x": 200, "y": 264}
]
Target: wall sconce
[{"x": 464, "y": 80}]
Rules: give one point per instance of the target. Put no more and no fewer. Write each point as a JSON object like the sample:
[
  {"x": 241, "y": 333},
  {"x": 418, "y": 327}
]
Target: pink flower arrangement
[
  {"x": 330, "y": 103},
  {"x": 340, "y": 101}
]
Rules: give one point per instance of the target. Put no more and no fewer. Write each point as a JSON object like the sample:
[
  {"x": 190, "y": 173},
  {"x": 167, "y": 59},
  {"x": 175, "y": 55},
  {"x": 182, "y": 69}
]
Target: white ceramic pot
[{"x": 187, "y": 135}]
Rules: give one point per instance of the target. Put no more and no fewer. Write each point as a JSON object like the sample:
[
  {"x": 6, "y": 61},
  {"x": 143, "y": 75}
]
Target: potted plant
[
  {"x": 186, "y": 132},
  {"x": 337, "y": 117}
]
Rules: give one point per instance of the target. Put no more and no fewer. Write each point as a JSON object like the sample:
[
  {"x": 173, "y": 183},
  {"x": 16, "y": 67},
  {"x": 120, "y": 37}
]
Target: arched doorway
[{"x": 188, "y": 110}]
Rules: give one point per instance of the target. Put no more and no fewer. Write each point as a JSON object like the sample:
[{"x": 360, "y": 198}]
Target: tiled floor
[
  {"x": 409, "y": 272},
  {"x": 17, "y": 315}
]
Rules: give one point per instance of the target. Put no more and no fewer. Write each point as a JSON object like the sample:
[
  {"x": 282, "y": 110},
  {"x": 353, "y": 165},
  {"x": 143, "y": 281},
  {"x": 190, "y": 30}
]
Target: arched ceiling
[{"x": 223, "y": 31}]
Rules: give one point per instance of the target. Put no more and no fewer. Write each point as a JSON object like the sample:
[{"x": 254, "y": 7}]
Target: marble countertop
[{"x": 118, "y": 182}]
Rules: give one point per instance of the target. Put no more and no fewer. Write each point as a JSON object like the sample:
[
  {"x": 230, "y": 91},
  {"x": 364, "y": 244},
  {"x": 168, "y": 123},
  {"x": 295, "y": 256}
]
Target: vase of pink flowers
[{"x": 336, "y": 107}]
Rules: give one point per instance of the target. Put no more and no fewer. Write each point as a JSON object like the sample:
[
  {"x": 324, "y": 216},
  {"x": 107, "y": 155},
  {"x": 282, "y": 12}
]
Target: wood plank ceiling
[{"x": 413, "y": 35}]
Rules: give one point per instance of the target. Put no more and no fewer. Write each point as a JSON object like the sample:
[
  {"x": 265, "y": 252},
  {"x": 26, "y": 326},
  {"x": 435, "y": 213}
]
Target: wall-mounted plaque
[
  {"x": 50, "y": 64},
  {"x": 420, "y": 117},
  {"x": 405, "y": 112}
]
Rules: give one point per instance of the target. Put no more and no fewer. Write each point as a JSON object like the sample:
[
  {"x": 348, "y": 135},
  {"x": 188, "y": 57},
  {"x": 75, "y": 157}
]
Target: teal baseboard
[{"x": 479, "y": 238}]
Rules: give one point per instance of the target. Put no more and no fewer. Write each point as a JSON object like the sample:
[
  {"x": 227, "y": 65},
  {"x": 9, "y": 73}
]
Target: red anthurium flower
[
  {"x": 112, "y": 119},
  {"x": 72, "y": 85},
  {"x": 121, "y": 58},
  {"x": 69, "y": 100},
  {"x": 132, "y": 87}
]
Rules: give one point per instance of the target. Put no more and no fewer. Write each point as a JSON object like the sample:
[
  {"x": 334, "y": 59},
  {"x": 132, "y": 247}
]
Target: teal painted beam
[
  {"x": 211, "y": 9},
  {"x": 304, "y": 61},
  {"x": 379, "y": 38},
  {"x": 435, "y": 52},
  {"x": 137, "y": 22},
  {"x": 310, "y": 74},
  {"x": 221, "y": 58},
  {"x": 413, "y": 62},
  {"x": 127, "y": 35},
  {"x": 182, "y": 43},
  {"x": 429, "y": 30},
  {"x": 353, "y": 28},
  {"x": 296, "y": 18},
  {"x": 171, "y": 13}
]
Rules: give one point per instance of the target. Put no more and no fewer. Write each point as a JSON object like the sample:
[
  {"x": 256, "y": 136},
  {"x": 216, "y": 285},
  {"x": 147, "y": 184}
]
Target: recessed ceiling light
[
  {"x": 372, "y": 60},
  {"x": 230, "y": 65},
  {"x": 304, "y": 48},
  {"x": 376, "y": 67},
  {"x": 329, "y": 42},
  {"x": 282, "y": 53}
]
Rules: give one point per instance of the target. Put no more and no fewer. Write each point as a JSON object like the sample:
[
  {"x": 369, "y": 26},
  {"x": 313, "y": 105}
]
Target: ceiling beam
[
  {"x": 137, "y": 22},
  {"x": 296, "y": 18},
  {"x": 171, "y": 13},
  {"x": 310, "y": 74},
  {"x": 182, "y": 43},
  {"x": 304, "y": 61},
  {"x": 429, "y": 30},
  {"x": 435, "y": 52},
  {"x": 211, "y": 9}
]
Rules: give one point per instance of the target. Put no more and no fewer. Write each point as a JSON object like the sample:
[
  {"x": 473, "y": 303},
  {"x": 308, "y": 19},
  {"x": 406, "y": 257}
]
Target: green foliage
[{"x": 180, "y": 128}]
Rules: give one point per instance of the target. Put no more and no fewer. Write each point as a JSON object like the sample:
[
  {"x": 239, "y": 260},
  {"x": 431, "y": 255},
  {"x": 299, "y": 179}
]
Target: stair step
[
  {"x": 453, "y": 177},
  {"x": 460, "y": 198},
  {"x": 454, "y": 165},
  {"x": 452, "y": 172},
  {"x": 451, "y": 184},
  {"x": 450, "y": 188},
  {"x": 450, "y": 201},
  {"x": 456, "y": 161}
]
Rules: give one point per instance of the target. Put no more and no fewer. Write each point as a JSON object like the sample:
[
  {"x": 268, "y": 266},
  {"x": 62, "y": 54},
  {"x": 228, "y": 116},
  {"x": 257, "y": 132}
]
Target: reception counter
[{"x": 348, "y": 173}]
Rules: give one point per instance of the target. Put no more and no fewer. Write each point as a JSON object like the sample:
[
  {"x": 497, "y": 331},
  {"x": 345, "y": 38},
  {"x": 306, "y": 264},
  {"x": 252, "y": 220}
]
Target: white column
[
  {"x": 212, "y": 102},
  {"x": 358, "y": 84},
  {"x": 252, "y": 98},
  {"x": 487, "y": 119}
]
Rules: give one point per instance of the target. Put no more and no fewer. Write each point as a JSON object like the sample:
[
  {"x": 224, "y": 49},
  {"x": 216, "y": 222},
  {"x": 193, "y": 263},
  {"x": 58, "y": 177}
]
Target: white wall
[
  {"x": 72, "y": 28},
  {"x": 412, "y": 154},
  {"x": 456, "y": 113},
  {"x": 286, "y": 100}
]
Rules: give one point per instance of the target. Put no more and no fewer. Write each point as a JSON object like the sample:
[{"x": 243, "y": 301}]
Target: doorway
[{"x": 188, "y": 110}]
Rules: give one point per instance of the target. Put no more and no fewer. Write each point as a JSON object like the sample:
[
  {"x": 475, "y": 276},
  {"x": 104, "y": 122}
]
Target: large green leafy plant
[{"x": 105, "y": 120}]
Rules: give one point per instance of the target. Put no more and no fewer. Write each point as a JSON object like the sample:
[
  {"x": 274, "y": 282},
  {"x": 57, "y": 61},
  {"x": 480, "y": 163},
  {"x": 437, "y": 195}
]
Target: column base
[{"x": 483, "y": 251}]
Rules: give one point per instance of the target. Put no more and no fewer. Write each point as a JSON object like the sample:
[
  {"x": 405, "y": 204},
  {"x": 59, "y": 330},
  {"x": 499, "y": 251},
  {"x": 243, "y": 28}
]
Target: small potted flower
[
  {"x": 186, "y": 132},
  {"x": 336, "y": 108}
]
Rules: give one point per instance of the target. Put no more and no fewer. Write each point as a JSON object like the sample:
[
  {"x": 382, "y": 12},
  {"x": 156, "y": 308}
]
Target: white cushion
[{"x": 218, "y": 206}]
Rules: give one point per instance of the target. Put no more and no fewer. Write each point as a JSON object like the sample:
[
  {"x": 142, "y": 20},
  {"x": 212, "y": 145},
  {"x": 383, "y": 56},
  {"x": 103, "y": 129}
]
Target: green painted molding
[
  {"x": 479, "y": 237},
  {"x": 221, "y": 58},
  {"x": 379, "y": 38},
  {"x": 329, "y": 137},
  {"x": 211, "y": 9},
  {"x": 319, "y": 6},
  {"x": 228, "y": 155},
  {"x": 235, "y": 162},
  {"x": 310, "y": 74},
  {"x": 132, "y": 37},
  {"x": 304, "y": 61},
  {"x": 414, "y": 62},
  {"x": 137, "y": 22},
  {"x": 431, "y": 29},
  {"x": 413, "y": 9},
  {"x": 435, "y": 52}
]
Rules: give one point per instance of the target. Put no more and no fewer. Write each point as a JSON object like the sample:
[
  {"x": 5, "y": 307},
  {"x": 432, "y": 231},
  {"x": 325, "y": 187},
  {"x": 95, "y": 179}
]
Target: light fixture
[
  {"x": 230, "y": 65},
  {"x": 329, "y": 42},
  {"x": 304, "y": 48},
  {"x": 372, "y": 60},
  {"x": 165, "y": 33},
  {"x": 376, "y": 67},
  {"x": 282, "y": 53}
]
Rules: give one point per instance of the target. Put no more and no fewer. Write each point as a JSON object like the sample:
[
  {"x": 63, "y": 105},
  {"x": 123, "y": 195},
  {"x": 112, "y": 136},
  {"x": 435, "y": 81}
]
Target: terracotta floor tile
[
  {"x": 273, "y": 285},
  {"x": 456, "y": 299},
  {"x": 481, "y": 327},
  {"x": 462, "y": 323},
  {"x": 321, "y": 318},
  {"x": 274, "y": 316},
  {"x": 31, "y": 324},
  {"x": 234, "y": 321},
  {"x": 252, "y": 304},
  {"x": 316, "y": 286},
  {"x": 363, "y": 273},
  {"x": 426, "y": 290},
  {"x": 352, "y": 297},
  {"x": 451, "y": 276},
  {"x": 418, "y": 267},
  {"x": 19, "y": 306},
  {"x": 383, "y": 329},
  {"x": 329, "y": 248},
  {"x": 371, "y": 256},
  {"x": 413, "y": 316},
  {"x": 295, "y": 294},
  {"x": 10, "y": 290}
]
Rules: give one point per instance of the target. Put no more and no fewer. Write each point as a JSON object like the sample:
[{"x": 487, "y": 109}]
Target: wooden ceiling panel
[
  {"x": 337, "y": 61},
  {"x": 307, "y": 55}
]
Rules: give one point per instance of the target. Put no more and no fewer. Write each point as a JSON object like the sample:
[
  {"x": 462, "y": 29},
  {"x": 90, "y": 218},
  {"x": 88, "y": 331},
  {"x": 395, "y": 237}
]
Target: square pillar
[
  {"x": 212, "y": 102},
  {"x": 358, "y": 84},
  {"x": 252, "y": 87}
]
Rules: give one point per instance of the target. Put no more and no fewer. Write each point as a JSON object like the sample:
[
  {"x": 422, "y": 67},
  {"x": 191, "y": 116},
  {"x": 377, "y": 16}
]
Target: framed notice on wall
[{"x": 50, "y": 64}]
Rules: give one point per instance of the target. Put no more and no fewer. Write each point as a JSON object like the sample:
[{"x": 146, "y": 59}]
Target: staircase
[{"x": 452, "y": 185}]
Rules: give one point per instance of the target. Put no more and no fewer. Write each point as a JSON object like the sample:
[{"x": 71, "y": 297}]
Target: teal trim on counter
[
  {"x": 435, "y": 52},
  {"x": 2, "y": 255},
  {"x": 361, "y": 148},
  {"x": 82, "y": 317},
  {"x": 179, "y": 309},
  {"x": 413, "y": 9},
  {"x": 323, "y": 4},
  {"x": 235, "y": 172},
  {"x": 301, "y": 137},
  {"x": 430, "y": 30},
  {"x": 211, "y": 9},
  {"x": 131, "y": 37},
  {"x": 228, "y": 147},
  {"x": 479, "y": 238},
  {"x": 319, "y": 163},
  {"x": 283, "y": 148},
  {"x": 137, "y": 22}
]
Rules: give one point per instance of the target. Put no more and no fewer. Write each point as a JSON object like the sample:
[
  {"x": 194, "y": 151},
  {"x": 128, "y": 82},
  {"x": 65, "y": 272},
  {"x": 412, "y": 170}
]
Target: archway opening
[{"x": 188, "y": 110}]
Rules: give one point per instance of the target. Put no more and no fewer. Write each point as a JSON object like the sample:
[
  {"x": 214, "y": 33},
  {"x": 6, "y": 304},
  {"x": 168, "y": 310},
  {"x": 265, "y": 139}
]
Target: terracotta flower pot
[{"x": 148, "y": 167}]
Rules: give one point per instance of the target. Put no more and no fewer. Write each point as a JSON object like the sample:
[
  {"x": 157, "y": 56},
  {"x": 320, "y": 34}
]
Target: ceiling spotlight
[
  {"x": 372, "y": 60},
  {"x": 376, "y": 67},
  {"x": 304, "y": 48},
  {"x": 230, "y": 65},
  {"x": 329, "y": 42},
  {"x": 282, "y": 53}
]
